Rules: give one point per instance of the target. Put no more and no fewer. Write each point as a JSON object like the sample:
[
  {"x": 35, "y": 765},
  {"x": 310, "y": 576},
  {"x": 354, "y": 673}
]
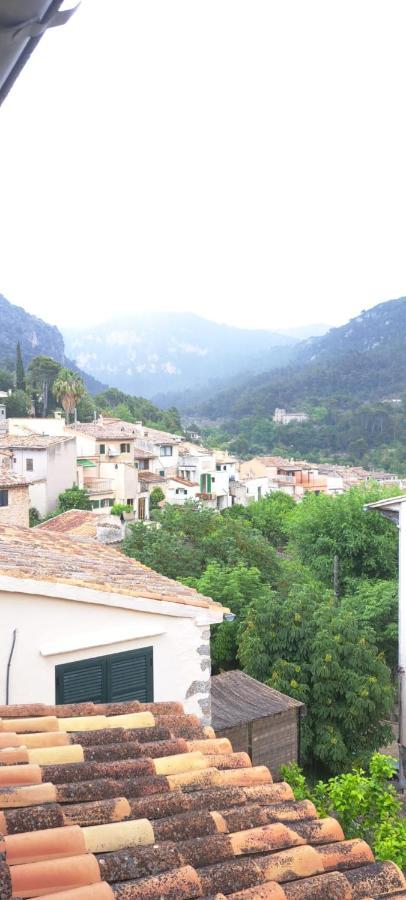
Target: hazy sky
[{"x": 245, "y": 160}]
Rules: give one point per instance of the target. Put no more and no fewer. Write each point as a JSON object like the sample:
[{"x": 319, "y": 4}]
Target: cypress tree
[{"x": 20, "y": 374}]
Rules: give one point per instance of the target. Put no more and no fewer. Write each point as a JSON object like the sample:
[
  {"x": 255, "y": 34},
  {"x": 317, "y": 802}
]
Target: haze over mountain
[
  {"x": 36, "y": 338},
  {"x": 158, "y": 353},
  {"x": 364, "y": 359}
]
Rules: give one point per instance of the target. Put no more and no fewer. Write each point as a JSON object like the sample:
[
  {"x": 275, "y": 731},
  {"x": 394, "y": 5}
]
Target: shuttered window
[{"x": 107, "y": 679}]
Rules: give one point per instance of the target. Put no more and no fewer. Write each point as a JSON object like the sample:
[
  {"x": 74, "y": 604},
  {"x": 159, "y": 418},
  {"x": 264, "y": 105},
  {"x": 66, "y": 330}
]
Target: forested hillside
[{"x": 346, "y": 381}]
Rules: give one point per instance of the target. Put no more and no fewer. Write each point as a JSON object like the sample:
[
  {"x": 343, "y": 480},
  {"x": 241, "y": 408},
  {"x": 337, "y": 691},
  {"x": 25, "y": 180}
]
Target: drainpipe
[{"x": 8, "y": 666}]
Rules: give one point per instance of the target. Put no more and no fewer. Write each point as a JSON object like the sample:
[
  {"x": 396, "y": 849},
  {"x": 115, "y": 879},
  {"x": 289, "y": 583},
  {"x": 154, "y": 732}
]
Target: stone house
[
  {"x": 14, "y": 497},
  {"x": 46, "y": 462}
]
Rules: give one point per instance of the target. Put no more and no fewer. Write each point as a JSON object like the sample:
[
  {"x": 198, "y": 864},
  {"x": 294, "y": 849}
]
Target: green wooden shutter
[
  {"x": 129, "y": 676},
  {"x": 107, "y": 679},
  {"x": 81, "y": 681},
  {"x": 209, "y": 484}
]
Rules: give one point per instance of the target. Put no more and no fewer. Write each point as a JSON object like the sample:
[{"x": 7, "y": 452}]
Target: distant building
[
  {"x": 14, "y": 497},
  {"x": 47, "y": 463},
  {"x": 281, "y": 417}
]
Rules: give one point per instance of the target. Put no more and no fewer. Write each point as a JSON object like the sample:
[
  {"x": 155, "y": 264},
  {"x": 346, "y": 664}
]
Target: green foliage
[
  {"x": 68, "y": 389},
  {"x": 42, "y": 372},
  {"x": 34, "y": 517},
  {"x": 375, "y": 604},
  {"x": 18, "y": 404},
  {"x": 155, "y": 498},
  {"x": 235, "y": 588},
  {"x": 73, "y": 498},
  {"x": 271, "y": 516},
  {"x": 113, "y": 402},
  {"x": 119, "y": 508},
  {"x": 20, "y": 374},
  {"x": 365, "y": 543},
  {"x": 303, "y": 645},
  {"x": 6, "y": 380},
  {"x": 86, "y": 408},
  {"x": 365, "y": 804}
]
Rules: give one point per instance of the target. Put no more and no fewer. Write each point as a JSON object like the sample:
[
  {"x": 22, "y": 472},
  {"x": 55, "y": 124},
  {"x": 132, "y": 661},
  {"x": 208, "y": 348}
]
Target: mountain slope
[
  {"x": 36, "y": 338},
  {"x": 364, "y": 360},
  {"x": 157, "y": 353}
]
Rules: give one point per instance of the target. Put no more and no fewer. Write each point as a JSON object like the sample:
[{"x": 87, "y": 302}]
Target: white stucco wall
[
  {"x": 80, "y": 630},
  {"x": 51, "y": 426},
  {"x": 61, "y": 470}
]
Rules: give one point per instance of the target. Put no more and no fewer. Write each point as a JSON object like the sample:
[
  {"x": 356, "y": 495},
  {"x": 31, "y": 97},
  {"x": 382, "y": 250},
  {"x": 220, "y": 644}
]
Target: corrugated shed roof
[
  {"x": 135, "y": 801},
  {"x": 236, "y": 698}
]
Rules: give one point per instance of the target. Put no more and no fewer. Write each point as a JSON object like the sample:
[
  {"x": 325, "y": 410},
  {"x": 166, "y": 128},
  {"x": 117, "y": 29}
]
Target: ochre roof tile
[
  {"x": 111, "y": 812},
  {"x": 33, "y": 553}
]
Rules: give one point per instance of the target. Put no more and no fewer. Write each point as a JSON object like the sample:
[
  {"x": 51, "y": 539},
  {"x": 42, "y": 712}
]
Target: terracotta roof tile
[
  {"x": 10, "y": 479},
  {"x": 73, "y": 523},
  {"x": 106, "y": 814},
  {"x": 32, "y": 441},
  {"x": 27, "y": 553}
]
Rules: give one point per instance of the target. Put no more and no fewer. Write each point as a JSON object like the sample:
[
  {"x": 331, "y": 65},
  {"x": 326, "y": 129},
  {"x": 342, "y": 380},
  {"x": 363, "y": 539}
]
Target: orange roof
[
  {"x": 139, "y": 801},
  {"x": 43, "y": 555}
]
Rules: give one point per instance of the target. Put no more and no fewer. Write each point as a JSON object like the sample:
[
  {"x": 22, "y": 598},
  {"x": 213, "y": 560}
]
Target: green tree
[
  {"x": 271, "y": 516},
  {"x": 325, "y": 526},
  {"x": 364, "y": 802},
  {"x": 34, "y": 517},
  {"x": 68, "y": 389},
  {"x": 18, "y": 404},
  {"x": 155, "y": 498},
  {"x": 235, "y": 588},
  {"x": 375, "y": 604},
  {"x": 86, "y": 408},
  {"x": 73, "y": 498},
  {"x": 303, "y": 645},
  {"x": 6, "y": 380},
  {"x": 42, "y": 372},
  {"x": 20, "y": 374},
  {"x": 167, "y": 552}
]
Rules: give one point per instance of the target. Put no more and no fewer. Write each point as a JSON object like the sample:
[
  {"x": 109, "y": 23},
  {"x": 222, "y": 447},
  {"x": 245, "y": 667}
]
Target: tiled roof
[
  {"x": 104, "y": 431},
  {"x": 46, "y": 557},
  {"x": 73, "y": 523},
  {"x": 144, "y": 454},
  {"x": 11, "y": 479},
  {"x": 236, "y": 698},
  {"x": 130, "y": 801},
  {"x": 184, "y": 481},
  {"x": 32, "y": 441},
  {"x": 150, "y": 477}
]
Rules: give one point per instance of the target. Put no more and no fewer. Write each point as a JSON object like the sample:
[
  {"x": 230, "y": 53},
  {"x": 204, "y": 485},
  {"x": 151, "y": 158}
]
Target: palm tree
[{"x": 68, "y": 388}]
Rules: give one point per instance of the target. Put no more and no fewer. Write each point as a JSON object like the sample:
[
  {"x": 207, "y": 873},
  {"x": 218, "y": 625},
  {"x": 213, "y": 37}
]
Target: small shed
[{"x": 257, "y": 719}]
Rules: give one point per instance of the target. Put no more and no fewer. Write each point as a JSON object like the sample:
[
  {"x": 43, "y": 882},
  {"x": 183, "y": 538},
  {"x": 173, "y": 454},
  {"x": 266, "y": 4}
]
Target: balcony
[
  {"x": 285, "y": 479},
  {"x": 99, "y": 485},
  {"x": 113, "y": 451},
  {"x": 204, "y": 496},
  {"x": 187, "y": 462}
]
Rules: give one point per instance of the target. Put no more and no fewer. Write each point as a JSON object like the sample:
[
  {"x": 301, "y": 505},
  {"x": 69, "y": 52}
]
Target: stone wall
[{"x": 16, "y": 513}]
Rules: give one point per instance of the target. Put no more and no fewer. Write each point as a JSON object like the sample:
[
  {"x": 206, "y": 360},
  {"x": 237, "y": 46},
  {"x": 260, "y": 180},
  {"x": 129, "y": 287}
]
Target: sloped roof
[
  {"x": 184, "y": 481},
  {"x": 32, "y": 441},
  {"x": 73, "y": 523},
  {"x": 236, "y": 698},
  {"x": 150, "y": 477},
  {"x": 47, "y": 557},
  {"x": 129, "y": 801},
  {"x": 105, "y": 430},
  {"x": 10, "y": 479}
]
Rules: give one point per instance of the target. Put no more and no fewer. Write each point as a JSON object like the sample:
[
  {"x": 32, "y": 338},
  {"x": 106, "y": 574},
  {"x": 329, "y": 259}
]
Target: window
[
  {"x": 165, "y": 450},
  {"x": 130, "y": 501},
  {"x": 29, "y": 465},
  {"x": 124, "y": 448},
  {"x": 143, "y": 464},
  {"x": 95, "y": 504},
  {"x": 102, "y": 449},
  {"x": 218, "y": 468},
  {"x": 3, "y": 498},
  {"x": 107, "y": 679},
  {"x": 180, "y": 491},
  {"x": 162, "y": 473}
]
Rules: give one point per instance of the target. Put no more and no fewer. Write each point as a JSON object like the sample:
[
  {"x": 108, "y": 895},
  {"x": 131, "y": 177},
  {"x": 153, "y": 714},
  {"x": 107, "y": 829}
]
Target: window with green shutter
[{"x": 107, "y": 679}]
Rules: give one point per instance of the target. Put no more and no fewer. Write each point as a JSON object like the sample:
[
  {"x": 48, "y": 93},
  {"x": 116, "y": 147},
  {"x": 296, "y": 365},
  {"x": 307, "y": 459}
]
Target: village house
[
  {"x": 106, "y": 466},
  {"x": 14, "y": 496},
  {"x": 281, "y": 417},
  {"x": 91, "y": 624},
  {"x": 179, "y": 490},
  {"x": 47, "y": 463}
]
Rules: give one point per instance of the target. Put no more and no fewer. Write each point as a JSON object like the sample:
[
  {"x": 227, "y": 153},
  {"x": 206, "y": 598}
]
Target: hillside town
[{"x": 122, "y": 463}]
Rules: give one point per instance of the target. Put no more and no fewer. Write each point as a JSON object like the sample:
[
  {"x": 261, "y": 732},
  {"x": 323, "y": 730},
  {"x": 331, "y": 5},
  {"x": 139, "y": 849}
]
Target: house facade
[
  {"x": 14, "y": 496},
  {"x": 47, "y": 463},
  {"x": 92, "y": 624}
]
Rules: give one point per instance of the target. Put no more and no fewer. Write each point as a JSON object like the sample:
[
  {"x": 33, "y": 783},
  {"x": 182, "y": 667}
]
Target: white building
[
  {"x": 106, "y": 465},
  {"x": 178, "y": 490},
  {"x": 47, "y": 463},
  {"x": 281, "y": 417},
  {"x": 91, "y": 624}
]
